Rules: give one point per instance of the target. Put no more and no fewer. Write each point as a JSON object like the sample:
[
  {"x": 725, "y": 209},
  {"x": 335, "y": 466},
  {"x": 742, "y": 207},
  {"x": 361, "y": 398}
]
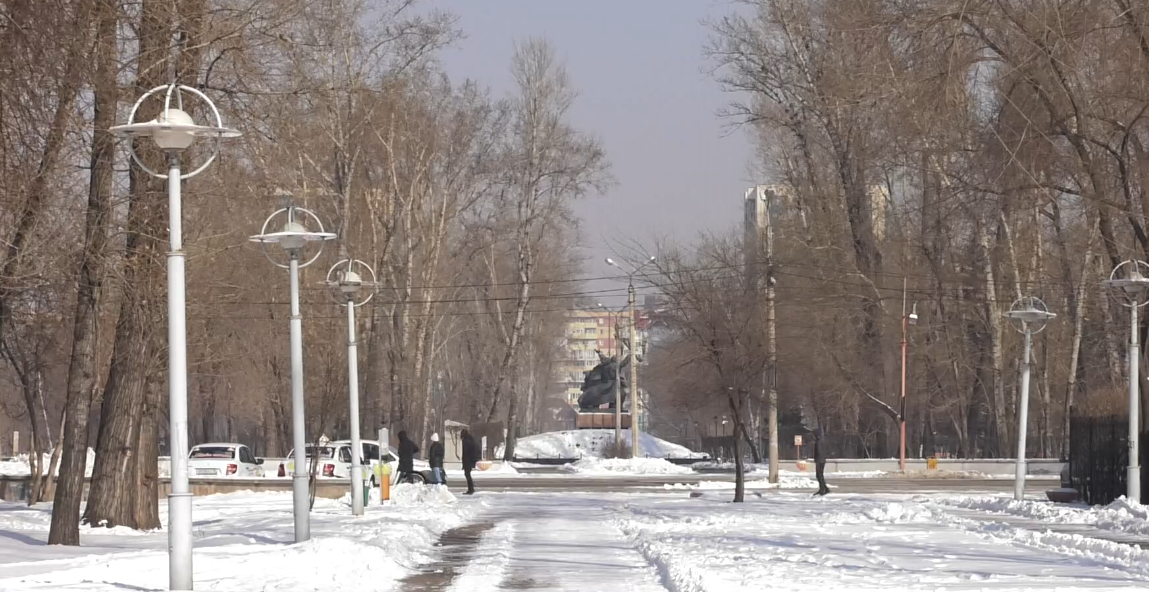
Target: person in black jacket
[
  {"x": 407, "y": 450},
  {"x": 820, "y": 463},
  {"x": 435, "y": 456},
  {"x": 470, "y": 459}
]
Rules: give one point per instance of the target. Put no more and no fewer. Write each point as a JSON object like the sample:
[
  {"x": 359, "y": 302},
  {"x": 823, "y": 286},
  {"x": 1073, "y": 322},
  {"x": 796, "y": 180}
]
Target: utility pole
[
  {"x": 902, "y": 408},
  {"x": 771, "y": 341},
  {"x": 759, "y": 245},
  {"x": 635, "y": 399}
]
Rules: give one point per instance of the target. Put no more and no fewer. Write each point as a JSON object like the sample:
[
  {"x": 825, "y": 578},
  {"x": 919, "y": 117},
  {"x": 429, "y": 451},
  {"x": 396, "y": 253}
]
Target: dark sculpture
[{"x": 598, "y": 385}]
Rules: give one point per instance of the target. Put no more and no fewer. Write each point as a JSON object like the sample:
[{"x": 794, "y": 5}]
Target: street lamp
[
  {"x": 173, "y": 131},
  {"x": 1133, "y": 287},
  {"x": 1027, "y": 313},
  {"x": 293, "y": 238},
  {"x": 634, "y": 398},
  {"x": 343, "y": 277}
]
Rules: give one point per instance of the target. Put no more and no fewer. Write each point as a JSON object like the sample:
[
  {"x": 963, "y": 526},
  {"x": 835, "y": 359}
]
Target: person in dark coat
[
  {"x": 820, "y": 463},
  {"x": 435, "y": 457},
  {"x": 407, "y": 450},
  {"x": 470, "y": 459}
]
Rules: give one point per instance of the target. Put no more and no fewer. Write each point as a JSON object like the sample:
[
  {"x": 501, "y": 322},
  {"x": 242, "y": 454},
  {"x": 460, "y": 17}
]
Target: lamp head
[
  {"x": 176, "y": 137},
  {"x": 350, "y": 282},
  {"x": 913, "y": 318},
  {"x": 293, "y": 238},
  {"x": 611, "y": 262}
]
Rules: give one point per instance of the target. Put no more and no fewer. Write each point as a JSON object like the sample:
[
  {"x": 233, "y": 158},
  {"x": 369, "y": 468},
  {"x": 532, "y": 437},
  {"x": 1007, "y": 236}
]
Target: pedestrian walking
[
  {"x": 407, "y": 451},
  {"x": 820, "y": 463},
  {"x": 435, "y": 456},
  {"x": 470, "y": 459}
]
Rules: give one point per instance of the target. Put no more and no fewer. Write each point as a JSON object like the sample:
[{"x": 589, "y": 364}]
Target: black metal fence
[{"x": 1099, "y": 457}]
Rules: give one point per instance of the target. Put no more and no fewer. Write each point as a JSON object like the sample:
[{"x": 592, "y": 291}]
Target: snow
[
  {"x": 784, "y": 482},
  {"x": 1120, "y": 516},
  {"x": 21, "y": 465},
  {"x": 243, "y": 541},
  {"x": 625, "y": 466},
  {"x": 779, "y": 539},
  {"x": 582, "y": 443},
  {"x": 845, "y": 542}
]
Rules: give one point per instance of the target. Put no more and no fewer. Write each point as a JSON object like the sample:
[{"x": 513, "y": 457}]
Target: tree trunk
[
  {"x": 993, "y": 320},
  {"x": 739, "y": 464},
  {"x": 65, "y": 528},
  {"x": 111, "y": 495},
  {"x": 47, "y": 486},
  {"x": 145, "y": 504}
]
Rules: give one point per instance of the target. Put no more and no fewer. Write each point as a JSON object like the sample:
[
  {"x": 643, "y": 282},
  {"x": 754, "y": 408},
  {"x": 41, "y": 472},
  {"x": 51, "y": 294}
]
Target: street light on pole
[
  {"x": 293, "y": 238},
  {"x": 1133, "y": 286},
  {"x": 343, "y": 277},
  {"x": 1028, "y": 313},
  {"x": 634, "y": 396},
  {"x": 174, "y": 131}
]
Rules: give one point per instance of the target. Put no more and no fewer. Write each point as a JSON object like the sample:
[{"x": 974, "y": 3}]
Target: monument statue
[{"x": 598, "y": 385}]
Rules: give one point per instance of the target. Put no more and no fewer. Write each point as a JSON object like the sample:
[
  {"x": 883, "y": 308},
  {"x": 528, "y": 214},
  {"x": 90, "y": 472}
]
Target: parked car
[
  {"x": 335, "y": 461},
  {"x": 226, "y": 459}
]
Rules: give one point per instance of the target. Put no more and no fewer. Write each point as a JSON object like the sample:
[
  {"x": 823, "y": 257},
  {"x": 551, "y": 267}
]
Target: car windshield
[
  {"x": 227, "y": 452},
  {"x": 325, "y": 452}
]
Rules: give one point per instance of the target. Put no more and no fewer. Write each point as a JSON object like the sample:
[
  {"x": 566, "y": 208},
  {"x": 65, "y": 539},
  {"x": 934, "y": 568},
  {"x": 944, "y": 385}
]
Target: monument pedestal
[{"x": 599, "y": 420}]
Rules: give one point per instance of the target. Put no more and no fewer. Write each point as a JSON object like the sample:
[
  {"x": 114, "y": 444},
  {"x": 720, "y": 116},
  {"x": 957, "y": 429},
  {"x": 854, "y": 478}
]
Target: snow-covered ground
[
  {"x": 841, "y": 542},
  {"x": 599, "y": 541},
  {"x": 242, "y": 542},
  {"x": 582, "y": 443},
  {"x": 784, "y": 482}
]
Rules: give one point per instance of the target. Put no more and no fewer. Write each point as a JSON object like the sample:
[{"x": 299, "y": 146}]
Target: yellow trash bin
[{"x": 932, "y": 463}]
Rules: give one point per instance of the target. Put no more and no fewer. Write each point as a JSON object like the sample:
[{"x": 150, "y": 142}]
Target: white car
[
  {"x": 223, "y": 459},
  {"x": 335, "y": 461}
]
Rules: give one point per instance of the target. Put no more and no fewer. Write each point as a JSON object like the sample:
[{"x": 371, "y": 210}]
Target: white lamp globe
[
  {"x": 174, "y": 139},
  {"x": 294, "y": 240}
]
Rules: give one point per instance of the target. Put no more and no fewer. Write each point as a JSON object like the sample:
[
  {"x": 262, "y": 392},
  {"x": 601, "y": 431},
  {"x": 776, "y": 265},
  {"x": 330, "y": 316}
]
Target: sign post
[{"x": 798, "y": 443}]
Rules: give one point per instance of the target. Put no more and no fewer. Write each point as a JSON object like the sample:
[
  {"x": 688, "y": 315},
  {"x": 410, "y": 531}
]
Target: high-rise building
[{"x": 587, "y": 331}]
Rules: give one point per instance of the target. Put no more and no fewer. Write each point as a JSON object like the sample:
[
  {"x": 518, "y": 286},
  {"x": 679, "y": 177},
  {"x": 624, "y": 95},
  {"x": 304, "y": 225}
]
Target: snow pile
[
  {"x": 784, "y": 482},
  {"x": 583, "y": 443},
  {"x": 1120, "y": 516},
  {"x": 628, "y": 466},
  {"x": 21, "y": 465},
  {"x": 243, "y": 542},
  {"x": 899, "y": 513}
]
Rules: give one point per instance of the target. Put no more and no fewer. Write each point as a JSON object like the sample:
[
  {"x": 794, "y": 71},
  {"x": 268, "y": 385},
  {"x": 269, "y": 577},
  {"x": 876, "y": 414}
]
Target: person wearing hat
[{"x": 435, "y": 456}]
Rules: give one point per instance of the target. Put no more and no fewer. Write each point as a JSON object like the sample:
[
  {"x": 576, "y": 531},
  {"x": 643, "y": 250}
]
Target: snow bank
[
  {"x": 21, "y": 465},
  {"x": 243, "y": 542},
  {"x": 1120, "y": 516},
  {"x": 784, "y": 482},
  {"x": 583, "y": 443},
  {"x": 628, "y": 466}
]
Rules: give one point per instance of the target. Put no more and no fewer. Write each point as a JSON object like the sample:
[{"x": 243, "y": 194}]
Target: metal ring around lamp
[
  {"x": 167, "y": 104},
  {"x": 1035, "y": 307},
  {"x": 263, "y": 231},
  {"x": 1137, "y": 263},
  {"x": 350, "y": 264}
]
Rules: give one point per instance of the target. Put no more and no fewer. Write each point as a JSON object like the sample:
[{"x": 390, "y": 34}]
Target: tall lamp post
[
  {"x": 634, "y": 396},
  {"x": 1133, "y": 286},
  {"x": 907, "y": 320},
  {"x": 342, "y": 276},
  {"x": 1030, "y": 316},
  {"x": 293, "y": 238},
  {"x": 174, "y": 131}
]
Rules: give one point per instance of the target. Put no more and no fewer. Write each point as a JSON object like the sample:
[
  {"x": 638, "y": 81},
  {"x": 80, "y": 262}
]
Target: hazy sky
[{"x": 644, "y": 91}]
